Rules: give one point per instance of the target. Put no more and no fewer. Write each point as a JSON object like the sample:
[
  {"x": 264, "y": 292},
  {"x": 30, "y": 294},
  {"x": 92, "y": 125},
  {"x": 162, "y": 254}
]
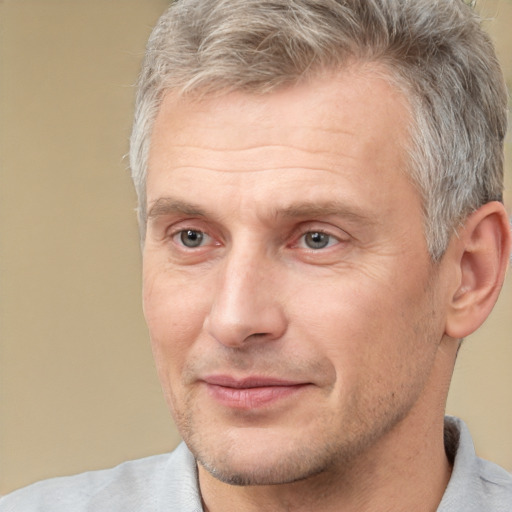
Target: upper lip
[{"x": 248, "y": 382}]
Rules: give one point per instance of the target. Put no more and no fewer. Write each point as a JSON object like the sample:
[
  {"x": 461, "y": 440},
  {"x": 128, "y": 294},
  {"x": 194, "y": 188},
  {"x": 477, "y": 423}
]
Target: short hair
[{"x": 435, "y": 51}]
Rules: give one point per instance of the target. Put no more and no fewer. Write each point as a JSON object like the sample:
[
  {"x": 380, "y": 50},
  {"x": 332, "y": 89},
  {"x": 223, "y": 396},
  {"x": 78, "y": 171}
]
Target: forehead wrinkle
[
  {"x": 251, "y": 171},
  {"x": 249, "y": 147},
  {"x": 295, "y": 131}
]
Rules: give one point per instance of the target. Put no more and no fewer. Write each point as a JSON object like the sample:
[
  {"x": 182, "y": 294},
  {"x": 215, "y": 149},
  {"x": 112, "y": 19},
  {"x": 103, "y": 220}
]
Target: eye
[
  {"x": 317, "y": 240},
  {"x": 192, "y": 238}
]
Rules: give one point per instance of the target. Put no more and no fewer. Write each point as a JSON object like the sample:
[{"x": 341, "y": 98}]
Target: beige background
[{"x": 78, "y": 389}]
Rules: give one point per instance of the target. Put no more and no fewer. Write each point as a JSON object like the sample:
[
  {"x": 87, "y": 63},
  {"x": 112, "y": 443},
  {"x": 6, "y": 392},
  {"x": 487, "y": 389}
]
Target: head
[
  {"x": 434, "y": 51},
  {"x": 301, "y": 166}
]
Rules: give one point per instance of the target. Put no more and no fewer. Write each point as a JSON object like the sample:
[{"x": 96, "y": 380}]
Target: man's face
[{"x": 294, "y": 313}]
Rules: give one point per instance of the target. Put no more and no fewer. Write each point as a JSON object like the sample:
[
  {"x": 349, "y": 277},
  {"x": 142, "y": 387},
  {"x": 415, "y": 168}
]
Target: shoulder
[
  {"x": 496, "y": 484},
  {"x": 476, "y": 484},
  {"x": 131, "y": 486}
]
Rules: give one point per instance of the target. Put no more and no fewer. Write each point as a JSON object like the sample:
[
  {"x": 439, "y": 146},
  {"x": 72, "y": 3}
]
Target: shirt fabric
[{"x": 168, "y": 483}]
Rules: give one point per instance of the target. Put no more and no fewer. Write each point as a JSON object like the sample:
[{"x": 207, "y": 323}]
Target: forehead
[
  {"x": 329, "y": 102},
  {"x": 348, "y": 130}
]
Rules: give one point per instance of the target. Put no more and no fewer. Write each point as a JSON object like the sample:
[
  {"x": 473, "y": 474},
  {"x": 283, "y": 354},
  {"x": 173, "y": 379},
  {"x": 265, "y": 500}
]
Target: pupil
[
  {"x": 191, "y": 238},
  {"x": 317, "y": 240}
]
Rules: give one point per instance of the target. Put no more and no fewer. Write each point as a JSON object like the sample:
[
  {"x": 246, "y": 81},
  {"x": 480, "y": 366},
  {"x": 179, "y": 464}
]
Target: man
[{"x": 320, "y": 187}]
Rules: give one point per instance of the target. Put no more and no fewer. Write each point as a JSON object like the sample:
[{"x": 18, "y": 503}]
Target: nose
[{"x": 246, "y": 306}]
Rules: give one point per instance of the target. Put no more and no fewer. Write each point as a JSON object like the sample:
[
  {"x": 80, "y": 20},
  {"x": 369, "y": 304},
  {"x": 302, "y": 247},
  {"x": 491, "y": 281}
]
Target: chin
[
  {"x": 263, "y": 461},
  {"x": 261, "y": 472}
]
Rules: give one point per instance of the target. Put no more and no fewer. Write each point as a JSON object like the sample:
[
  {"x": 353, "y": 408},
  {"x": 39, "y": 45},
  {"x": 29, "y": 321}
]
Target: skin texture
[{"x": 298, "y": 324}]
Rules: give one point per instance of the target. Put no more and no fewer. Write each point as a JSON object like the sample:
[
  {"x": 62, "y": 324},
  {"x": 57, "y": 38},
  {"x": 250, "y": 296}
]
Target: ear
[{"x": 482, "y": 252}]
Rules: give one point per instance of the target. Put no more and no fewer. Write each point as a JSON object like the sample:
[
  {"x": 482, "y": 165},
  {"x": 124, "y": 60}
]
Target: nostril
[{"x": 257, "y": 335}]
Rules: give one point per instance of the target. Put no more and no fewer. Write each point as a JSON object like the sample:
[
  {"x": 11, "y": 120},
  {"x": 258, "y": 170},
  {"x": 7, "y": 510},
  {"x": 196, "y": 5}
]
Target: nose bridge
[{"x": 244, "y": 301}]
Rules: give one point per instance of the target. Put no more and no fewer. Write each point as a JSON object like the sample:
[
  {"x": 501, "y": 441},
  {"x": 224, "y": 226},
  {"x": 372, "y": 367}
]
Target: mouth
[{"x": 252, "y": 392}]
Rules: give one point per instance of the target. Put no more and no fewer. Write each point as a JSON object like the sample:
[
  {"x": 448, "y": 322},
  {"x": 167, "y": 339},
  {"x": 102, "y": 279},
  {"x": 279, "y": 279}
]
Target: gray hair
[{"x": 434, "y": 50}]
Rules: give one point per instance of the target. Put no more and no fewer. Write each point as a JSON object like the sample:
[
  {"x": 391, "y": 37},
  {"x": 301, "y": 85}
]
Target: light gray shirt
[{"x": 168, "y": 483}]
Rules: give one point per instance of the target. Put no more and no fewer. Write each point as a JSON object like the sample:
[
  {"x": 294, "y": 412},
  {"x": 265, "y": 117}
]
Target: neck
[{"x": 397, "y": 475}]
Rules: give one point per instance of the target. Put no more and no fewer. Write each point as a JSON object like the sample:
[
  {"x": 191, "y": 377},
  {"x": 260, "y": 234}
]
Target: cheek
[
  {"x": 366, "y": 330},
  {"x": 338, "y": 323},
  {"x": 174, "y": 324},
  {"x": 174, "y": 317}
]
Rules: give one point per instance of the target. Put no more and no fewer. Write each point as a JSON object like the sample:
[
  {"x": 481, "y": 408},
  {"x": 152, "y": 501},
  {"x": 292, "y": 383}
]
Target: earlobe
[{"x": 482, "y": 252}]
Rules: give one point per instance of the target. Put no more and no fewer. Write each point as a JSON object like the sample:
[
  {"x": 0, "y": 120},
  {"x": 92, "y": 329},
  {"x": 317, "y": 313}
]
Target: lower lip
[{"x": 251, "y": 398}]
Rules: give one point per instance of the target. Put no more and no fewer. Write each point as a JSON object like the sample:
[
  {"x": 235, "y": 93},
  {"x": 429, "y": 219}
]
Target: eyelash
[
  {"x": 202, "y": 235},
  {"x": 331, "y": 239},
  {"x": 324, "y": 239}
]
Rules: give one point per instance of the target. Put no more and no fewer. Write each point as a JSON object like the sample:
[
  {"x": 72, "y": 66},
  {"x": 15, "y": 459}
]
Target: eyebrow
[
  {"x": 169, "y": 206},
  {"x": 324, "y": 209}
]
